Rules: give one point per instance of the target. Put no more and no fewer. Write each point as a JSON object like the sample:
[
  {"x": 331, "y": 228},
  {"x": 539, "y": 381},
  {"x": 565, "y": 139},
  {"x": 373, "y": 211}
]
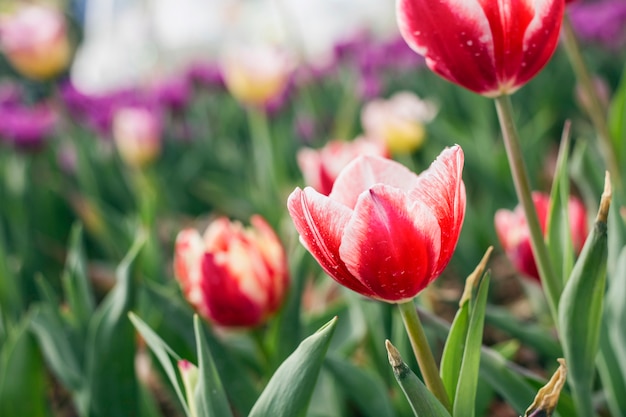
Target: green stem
[
  {"x": 423, "y": 354},
  {"x": 262, "y": 150},
  {"x": 551, "y": 283},
  {"x": 597, "y": 113}
]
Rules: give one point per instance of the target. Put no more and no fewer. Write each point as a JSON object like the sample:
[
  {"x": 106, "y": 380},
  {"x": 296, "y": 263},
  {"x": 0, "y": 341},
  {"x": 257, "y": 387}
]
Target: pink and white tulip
[
  {"x": 233, "y": 276},
  {"x": 320, "y": 167},
  {"x": 384, "y": 231},
  {"x": 489, "y": 47},
  {"x": 514, "y": 235}
]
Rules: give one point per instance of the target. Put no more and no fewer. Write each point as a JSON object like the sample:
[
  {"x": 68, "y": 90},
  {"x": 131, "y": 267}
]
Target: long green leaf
[
  {"x": 113, "y": 388},
  {"x": 558, "y": 235},
  {"x": 78, "y": 291},
  {"x": 164, "y": 354},
  {"x": 289, "y": 390},
  {"x": 174, "y": 318},
  {"x": 464, "y": 401},
  {"x": 366, "y": 390},
  {"x": 423, "y": 402},
  {"x": 581, "y": 309},
  {"x": 23, "y": 382},
  {"x": 452, "y": 356},
  {"x": 530, "y": 334},
  {"x": 210, "y": 396}
]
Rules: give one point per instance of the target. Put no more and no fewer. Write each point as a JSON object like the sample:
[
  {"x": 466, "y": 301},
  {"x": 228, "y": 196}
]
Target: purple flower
[
  {"x": 206, "y": 74},
  {"x": 27, "y": 127},
  {"x": 172, "y": 93},
  {"x": 601, "y": 21},
  {"x": 97, "y": 111}
]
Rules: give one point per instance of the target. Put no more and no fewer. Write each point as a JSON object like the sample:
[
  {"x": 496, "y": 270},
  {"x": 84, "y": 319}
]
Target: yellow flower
[
  {"x": 255, "y": 74},
  {"x": 398, "y": 121},
  {"x": 35, "y": 42}
]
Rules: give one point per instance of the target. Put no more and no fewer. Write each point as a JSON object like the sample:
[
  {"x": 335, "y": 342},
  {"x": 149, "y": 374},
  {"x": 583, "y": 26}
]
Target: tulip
[
  {"x": 398, "y": 121},
  {"x": 137, "y": 135},
  {"x": 384, "y": 231},
  {"x": 255, "y": 75},
  {"x": 34, "y": 39},
  {"x": 27, "y": 128},
  {"x": 514, "y": 236},
  {"x": 320, "y": 168},
  {"x": 233, "y": 276},
  {"x": 489, "y": 47}
]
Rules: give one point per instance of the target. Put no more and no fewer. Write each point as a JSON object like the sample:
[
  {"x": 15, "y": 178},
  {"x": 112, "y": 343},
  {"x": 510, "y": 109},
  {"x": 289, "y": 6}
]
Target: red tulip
[
  {"x": 384, "y": 231},
  {"x": 514, "y": 235},
  {"x": 487, "y": 46},
  {"x": 320, "y": 168},
  {"x": 232, "y": 276}
]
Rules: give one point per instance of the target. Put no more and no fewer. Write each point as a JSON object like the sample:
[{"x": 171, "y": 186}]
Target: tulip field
[{"x": 313, "y": 208}]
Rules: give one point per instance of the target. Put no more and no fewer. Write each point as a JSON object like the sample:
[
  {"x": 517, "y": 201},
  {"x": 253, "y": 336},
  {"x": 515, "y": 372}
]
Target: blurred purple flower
[
  {"x": 172, "y": 93},
  {"x": 97, "y": 111},
  {"x": 27, "y": 127},
  {"x": 206, "y": 74},
  {"x": 602, "y": 21}
]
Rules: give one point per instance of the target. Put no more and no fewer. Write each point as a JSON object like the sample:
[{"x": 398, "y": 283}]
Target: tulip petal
[
  {"x": 188, "y": 253},
  {"x": 454, "y": 38},
  {"x": 366, "y": 171},
  {"x": 441, "y": 188},
  {"x": 320, "y": 221},
  {"x": 391, "y": 243},
  {"x": 227, "y": 303}
]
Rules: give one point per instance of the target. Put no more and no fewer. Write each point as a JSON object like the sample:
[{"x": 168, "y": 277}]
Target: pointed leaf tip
[
  {"x": 474, "y": 277},
  {"x": 605, "y": 201}
]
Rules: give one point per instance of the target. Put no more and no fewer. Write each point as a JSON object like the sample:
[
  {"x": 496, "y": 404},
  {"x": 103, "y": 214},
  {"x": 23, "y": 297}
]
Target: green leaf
[
  {"x": 78, "y": 291},
  {"x": 289, "y": 390},
  {"x": 558, "y": 234},
  {"x": 452, "y": 356},
  {"x": 461, "y": 354},
  {"x": 468, "y": 375},
  {"x": 164, "y": 354},
  {"x": 56, "y": 347},
  {"x": 423, "y": 402},
  {"x": 175, "y": 318},
  {"x": 23, "y": 382},
  {"x": 366, "y": 390},
  {"x": 110, "y": 348},
  {"x": 612, "y": 358},
  {"x": 210, "y": 397},
  {"x": 10, "y": 296},
  {"x": 530, "y": 334},
  {"x": 581, "y": 309}
]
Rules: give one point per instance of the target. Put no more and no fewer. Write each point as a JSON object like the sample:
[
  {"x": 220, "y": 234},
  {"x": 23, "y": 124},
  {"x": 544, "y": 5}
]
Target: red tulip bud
[{"x": 233, "y": 276}]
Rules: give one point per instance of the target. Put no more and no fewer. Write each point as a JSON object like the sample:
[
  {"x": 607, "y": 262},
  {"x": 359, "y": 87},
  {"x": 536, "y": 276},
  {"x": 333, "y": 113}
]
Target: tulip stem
[
  {"x": 551, "y": 284},
  {"x": 262, "y": 150},
  {"x": 423, "y": 354},
  {"x": 595, "y": 110}
]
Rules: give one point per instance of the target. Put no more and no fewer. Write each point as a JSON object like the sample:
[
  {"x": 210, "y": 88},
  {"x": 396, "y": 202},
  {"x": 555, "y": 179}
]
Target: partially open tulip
[
  {"x": 320, "y": 167},
  {"x": 233, "y": 276},
  {"x": 256, "y": 74},
  {"x": 384, "y": 231},
  {"x": 514, "y": 235},
  {"x": 487, "y": 46},
  {"x": 34, "y": 40},
  {"x": 398, "y": 121},
  {"x": 137, "y": 135}
]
